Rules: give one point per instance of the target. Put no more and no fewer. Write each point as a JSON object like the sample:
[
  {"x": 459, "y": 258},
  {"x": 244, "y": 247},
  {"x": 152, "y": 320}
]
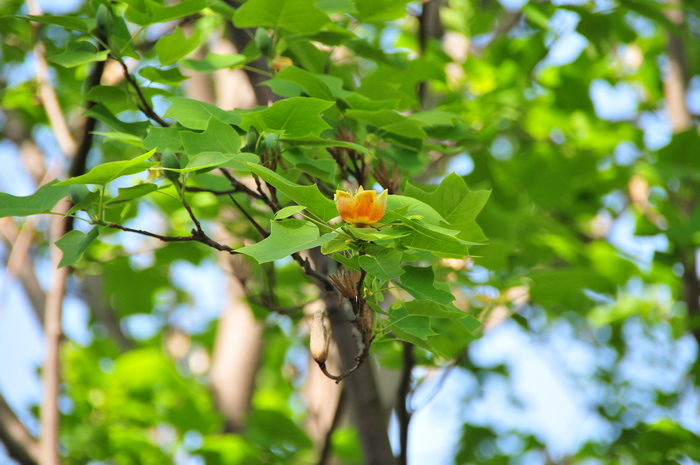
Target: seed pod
[
  {"x": 320, "y": 338},
  {"x": 251, "y": 139}
]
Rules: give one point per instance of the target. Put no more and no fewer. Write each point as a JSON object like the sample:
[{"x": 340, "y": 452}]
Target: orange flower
[{"x": 362, "y": 208}]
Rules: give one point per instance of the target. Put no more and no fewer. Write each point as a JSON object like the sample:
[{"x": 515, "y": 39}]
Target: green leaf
[
  {"x": 286, "y": 212},
  {"x": 385, "y": 265},
  {"x": 315, "y": 141},
  {"x": 41, "y": 201},
  {"x": 213, "y": 62},
  {"x": 145, "y": 12},
  {"x": 214, "y": 159},
  {"x": 286, "y": 237},
  {"x": 411, "y": 208},
  {"x": 420, "y": 237},
  {"x": 313, "y": 85},
  {"x": 456, "y": 203},
  {"x": 67, "y": 22},
  {"x": 194, "y": 114},
  {"x": 299, "y": 16},
  {"x": 294, "y": 117},
  {"x": 101, "y": 113},
  {"x": 381, "y": 10},
  {"x": 349, "y": 263},
  {"x": 315, "y": 202},
  {"x": 171, "y": 77},
  {"x": 390, "y": 121},
  {"x": 74, "y": 244},
  {"x": 108, "y": 172},
  {"x": 432, "y": 309},
  {"x": 175, "y": 46},
  {"x": 122, "y": 137},
  {"x": 420, "y": 283},
  {"x": 218, "y": 137},
  {"x": 338, "y": 244},
  {"x": 159, "y": 139},
  {"x": 78, "y": 53},
  {"x": 130, "y": 193},
  {"x": 411, "y": 328}
]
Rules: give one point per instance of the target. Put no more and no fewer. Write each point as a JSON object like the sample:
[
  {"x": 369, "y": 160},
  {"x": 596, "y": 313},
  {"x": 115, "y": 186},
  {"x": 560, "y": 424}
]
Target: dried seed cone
[{"x": 320, "y": 337}]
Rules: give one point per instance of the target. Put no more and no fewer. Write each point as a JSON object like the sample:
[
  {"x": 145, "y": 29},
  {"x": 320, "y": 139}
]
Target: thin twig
[
  {"x": 342, "y": 376},
  {"x": 252, "y": 221},
  {"x": 275, "y": 308},
  {"x": 309, "y": 271},
  {"x": 239, "y": 185},
  {"x": 143, "y": 104},
  {"x": 212, "y": 191},
  {"x": 196, "y": 236}
]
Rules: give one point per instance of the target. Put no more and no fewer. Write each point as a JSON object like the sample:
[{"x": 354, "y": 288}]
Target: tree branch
[
  {"x": 48, "y": 95},
  {"x": 196, "y": 236},
  {"x": 402, "y": 413},
  {"x": 48, "y": 442},
  {"x": 20, "y": 445},
  {"x": 250, "y": 219},
  {"x": 142, "y": 104},
  {"x": 325, "y": 453}
]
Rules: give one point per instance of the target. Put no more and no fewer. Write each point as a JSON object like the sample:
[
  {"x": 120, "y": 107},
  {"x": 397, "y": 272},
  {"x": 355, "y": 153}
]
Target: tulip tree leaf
[
  {"x": 293, "y": 117},
  {"x": 419, "y": 282},
  {"x": 456, "y": 203},
  {"x": 174, "y": 46},
  {"x": 315, "y": 202},
  {"x": 386, "y": 265},
  {"x": 286, "y": 237},
  {"x": 194, "y": 114},
  {"x": 441, "y": 330},
  {"x": 131, "y": 193},
  {"x": 107, "y": 172},
  {"x": 313, "y": 85},
  {"x": 390, "y": 121},
  {"x": 218, "y": 137},
  {"x": 299, "y": 16},
  {"x": 74, "y": 244},
  {"x": 68, "y": 22},
  {"x": 145, "y": 12},
  {"x": 315, "y": 141},
  {"x": 286, "y": 212},
  {"x": 423, "y": 238},
  {"x": 214, "y": 61},
  {"x": 41, "y": 201},
  {"x": 78, "y": 53}
]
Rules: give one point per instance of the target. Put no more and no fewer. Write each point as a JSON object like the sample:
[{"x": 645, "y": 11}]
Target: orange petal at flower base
[{"x": 362, "y": 208}]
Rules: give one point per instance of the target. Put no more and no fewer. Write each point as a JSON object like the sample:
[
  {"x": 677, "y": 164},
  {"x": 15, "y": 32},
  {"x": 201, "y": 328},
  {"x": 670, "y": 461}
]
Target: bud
[
  {"x": 280, "y": 62},
  {"x": 320, "y": 338},
  {"x": 263, "y": 41}
]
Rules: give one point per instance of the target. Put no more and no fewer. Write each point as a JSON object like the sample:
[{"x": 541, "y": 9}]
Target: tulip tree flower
[{"x": 362, "y": 208}]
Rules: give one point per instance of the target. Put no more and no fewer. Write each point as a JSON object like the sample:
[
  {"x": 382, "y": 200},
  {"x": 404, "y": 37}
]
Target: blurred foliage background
[{"x": 579, "y": 117}]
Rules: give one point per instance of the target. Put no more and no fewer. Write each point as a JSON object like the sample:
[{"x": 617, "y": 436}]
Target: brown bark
[
  {"x": 20, "y": 445},
  {"x": 675, "y": 87},
  {"x": 236, "y": 356},
  {"x": 48, "y": 441},
  {"x": 675, "y": 84},
  {"x": 365, "y": 406}
]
